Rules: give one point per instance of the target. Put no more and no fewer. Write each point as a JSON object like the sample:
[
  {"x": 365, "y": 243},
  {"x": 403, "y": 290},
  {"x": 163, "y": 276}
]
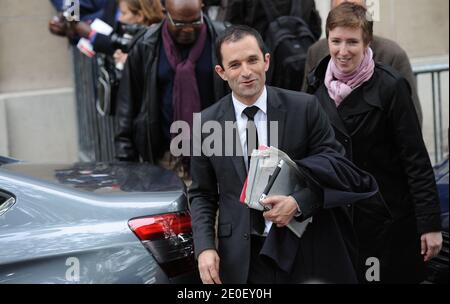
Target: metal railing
[
  {"x": 95, "y": 131},
  {"x": 435, "y": 71}
]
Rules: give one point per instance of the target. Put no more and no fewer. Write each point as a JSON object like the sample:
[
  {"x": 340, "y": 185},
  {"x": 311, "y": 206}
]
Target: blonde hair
[{"x": 151, "y": 10}]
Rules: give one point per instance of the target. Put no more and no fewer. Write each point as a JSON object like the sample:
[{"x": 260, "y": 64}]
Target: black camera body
[
  {"x": 109, "y": 75},
  {"x": 123, "y": 40}
]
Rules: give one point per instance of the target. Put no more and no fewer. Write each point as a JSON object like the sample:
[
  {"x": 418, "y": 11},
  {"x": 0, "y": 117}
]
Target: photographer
[
  {"x": 118, "y": 15},
  {"x": 129, "y": 19},
  {"x": 136, "y": 14}
]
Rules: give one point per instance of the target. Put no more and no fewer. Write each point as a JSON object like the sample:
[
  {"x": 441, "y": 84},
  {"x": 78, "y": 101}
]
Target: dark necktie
[
  {"x": 251, "y": 131},
  {"x": 257, "y": 220}
]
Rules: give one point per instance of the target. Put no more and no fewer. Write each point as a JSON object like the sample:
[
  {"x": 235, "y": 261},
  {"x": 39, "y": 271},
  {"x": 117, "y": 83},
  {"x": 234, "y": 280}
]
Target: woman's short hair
[
  {"x": 350, "y": 15},
  {"x": 152, "y": 10}
]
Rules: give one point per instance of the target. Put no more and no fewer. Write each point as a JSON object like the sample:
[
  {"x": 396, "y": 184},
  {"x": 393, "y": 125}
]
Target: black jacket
[
  {"x": 139, "y": 132},
  {"x": 379, "y": 128},
  {"x": 251, "y": 13}
]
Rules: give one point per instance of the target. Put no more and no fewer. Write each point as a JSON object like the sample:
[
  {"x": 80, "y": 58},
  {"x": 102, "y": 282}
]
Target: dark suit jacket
[
  {"x": 384, "y": 51},
  {"x": 326, "y": 251}
]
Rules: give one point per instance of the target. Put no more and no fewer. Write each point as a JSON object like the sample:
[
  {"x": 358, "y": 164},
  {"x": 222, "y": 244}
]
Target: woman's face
[
  {"x": 346, "y": 48},
  {"x": 127, "y": 17}
]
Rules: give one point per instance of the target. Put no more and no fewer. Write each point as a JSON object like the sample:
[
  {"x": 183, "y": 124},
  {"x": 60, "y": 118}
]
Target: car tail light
[{"x": 169, "y": 238}]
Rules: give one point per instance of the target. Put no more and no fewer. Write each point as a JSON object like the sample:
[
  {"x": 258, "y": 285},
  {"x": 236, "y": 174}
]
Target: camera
[
  {"x": 132, "y": 29},
  {"x": 123, "y": 40}
]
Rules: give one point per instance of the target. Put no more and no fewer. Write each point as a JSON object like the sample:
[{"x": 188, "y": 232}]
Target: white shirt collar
[{"x": 261, "y": 103}]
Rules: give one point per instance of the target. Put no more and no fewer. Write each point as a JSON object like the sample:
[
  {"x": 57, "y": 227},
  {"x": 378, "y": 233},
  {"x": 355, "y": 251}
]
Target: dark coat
[
  {"x": 139, "y": 132},
  {"x": 103, "y": 43},
  {"x": 326, "y": 251},
  {"x": 251, "y": 13},
  {"x": 380, "y": 131}
]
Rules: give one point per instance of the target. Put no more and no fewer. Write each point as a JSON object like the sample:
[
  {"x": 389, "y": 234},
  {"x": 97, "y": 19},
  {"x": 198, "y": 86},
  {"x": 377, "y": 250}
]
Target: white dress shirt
[
  {"x": 260, "y": 121},
  {"x": 261, "y": 127}
]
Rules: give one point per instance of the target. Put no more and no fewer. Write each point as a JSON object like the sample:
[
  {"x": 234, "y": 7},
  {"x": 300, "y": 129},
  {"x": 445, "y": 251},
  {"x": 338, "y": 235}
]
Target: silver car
[{"x": 93, "y": 223}]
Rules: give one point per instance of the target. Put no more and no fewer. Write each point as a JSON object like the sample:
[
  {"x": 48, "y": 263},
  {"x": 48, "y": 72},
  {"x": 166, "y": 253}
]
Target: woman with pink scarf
[{"x": 371, "y": 110}]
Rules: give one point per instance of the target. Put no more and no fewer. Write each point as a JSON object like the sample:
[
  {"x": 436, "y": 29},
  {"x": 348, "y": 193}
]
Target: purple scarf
[
  {"x": 186, "y": 97},
  {"x": 340, "y": 85}
]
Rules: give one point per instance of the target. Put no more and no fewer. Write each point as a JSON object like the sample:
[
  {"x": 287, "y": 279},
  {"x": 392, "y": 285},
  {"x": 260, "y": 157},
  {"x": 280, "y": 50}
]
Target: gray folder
[{"x": 262, "y": 166}]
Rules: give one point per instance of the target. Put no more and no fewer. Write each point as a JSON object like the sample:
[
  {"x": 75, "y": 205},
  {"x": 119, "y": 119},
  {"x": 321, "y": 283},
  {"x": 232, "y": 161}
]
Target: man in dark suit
[{"x": 257, "y": 248}]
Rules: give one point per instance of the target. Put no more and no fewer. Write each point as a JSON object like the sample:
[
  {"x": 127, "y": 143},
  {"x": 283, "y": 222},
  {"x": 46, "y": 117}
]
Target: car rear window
[{"x": 6, "y": 201}]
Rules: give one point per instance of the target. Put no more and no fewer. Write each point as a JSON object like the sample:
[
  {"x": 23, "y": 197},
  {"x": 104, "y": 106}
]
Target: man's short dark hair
[{"x": 235, "y": 33}]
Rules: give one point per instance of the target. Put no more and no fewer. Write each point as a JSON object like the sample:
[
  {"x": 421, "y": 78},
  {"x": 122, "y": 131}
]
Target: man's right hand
[
  {"x": 57, "y": 26},
  {"x": 208, "y": 265}
]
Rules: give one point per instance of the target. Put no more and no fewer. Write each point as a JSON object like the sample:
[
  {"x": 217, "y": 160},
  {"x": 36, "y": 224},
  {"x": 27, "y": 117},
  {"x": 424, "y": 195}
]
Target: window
[{"x": 6, "y": 201}]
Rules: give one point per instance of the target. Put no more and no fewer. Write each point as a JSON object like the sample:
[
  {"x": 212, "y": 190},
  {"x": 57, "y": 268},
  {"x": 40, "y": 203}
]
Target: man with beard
[{"x": 168, "y": 77}]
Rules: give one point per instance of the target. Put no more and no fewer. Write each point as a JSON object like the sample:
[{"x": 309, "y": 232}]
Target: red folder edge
[{"x": 244, "y": 189}]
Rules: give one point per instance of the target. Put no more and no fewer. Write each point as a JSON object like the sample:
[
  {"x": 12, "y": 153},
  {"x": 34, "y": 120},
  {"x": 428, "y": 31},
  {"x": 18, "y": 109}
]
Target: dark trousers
[{"x": 262, "y": 269}]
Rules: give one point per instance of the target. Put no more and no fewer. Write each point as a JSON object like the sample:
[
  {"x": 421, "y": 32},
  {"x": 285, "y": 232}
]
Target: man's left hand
[
  {"x": 431, "y": 244},
  {"x": 81, "y": 28},
  {"x": 283, "y": 209}
]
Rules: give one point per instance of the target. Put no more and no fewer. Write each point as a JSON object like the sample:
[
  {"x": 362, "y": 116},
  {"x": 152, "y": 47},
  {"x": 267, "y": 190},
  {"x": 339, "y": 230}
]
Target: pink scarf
[{"x": 340, "y": 85}]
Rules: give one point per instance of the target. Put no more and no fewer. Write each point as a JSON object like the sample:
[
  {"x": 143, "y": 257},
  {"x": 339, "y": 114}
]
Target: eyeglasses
[{"x": 186, "y": 24}]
